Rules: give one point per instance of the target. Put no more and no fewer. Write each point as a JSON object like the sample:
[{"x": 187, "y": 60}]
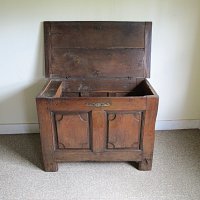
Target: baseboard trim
[
  {"x": 177, "y": 124},
  {"x": 19, "y": 128},
  {"x": 160, "y": 125}
]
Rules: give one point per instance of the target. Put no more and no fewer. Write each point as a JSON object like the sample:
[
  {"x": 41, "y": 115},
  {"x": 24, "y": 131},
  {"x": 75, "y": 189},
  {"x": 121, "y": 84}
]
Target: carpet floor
[{"x": 175, "y": 174}]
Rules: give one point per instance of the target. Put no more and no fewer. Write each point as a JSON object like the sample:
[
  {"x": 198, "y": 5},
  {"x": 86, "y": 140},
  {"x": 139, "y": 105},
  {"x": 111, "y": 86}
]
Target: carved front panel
[
  {"x": 73, "y": 130},
  {"x": 124, "y": 130}
]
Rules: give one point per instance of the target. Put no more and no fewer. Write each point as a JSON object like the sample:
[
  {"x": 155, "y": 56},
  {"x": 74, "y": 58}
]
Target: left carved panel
[{"x": 73, "y": 130}]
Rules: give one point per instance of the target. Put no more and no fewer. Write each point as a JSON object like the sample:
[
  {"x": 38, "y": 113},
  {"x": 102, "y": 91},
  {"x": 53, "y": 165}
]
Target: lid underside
[{"x": 97, "y": 49}]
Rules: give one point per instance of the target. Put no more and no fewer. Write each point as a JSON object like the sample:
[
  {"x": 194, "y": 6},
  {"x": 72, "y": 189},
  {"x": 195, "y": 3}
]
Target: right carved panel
[{"x": 124, "y": 130}]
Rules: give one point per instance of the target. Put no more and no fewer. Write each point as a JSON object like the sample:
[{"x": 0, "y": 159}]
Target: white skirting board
[
  {"x": 160, "y": 125},
  {"x": 19, "y": 128},
  {"x": 177, "y": 124}
]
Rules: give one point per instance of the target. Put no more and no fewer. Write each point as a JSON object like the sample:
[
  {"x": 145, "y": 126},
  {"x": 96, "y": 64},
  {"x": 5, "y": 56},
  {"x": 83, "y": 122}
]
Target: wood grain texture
[
  {"x": 97, "y": 63},
  {"x": 47, "y": 136},
  {"x": 98, "y": 131},
  {"x": 73, "y": 130},
  {"x": 74, "y": 156},
  {"x": 94, "y": 47},
  {"x": 147, "y": 57},
  {"x": 117, "y": 104},
  {"x": 124, "y": 130},
  {"x": 52, "y": 89},
  {"x": 97, "y": 105},
  {"x": 106, "y": 85},
  {"x": 97, "y": 35},
  {"x": 148, "y": 135},
  {"x": 47, "y": 47},
  {"x": 131, "y": 131}
]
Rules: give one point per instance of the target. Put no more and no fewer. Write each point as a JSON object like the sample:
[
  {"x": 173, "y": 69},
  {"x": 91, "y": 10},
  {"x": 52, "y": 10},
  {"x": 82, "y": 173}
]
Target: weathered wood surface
[
  {"x": 97, "y": 106},
  {"x": 97, "y": 49},
  {"x": 97, "y": 34}
]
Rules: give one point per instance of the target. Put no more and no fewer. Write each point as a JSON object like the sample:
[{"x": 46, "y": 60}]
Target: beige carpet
[{"x": 175, "y": 174}]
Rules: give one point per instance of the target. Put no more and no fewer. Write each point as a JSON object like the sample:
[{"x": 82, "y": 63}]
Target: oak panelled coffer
[{"x": 97, "y": 104}]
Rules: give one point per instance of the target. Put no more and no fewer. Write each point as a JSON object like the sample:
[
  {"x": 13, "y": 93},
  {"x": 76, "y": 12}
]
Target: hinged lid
[{"x": 97, "y": 49}]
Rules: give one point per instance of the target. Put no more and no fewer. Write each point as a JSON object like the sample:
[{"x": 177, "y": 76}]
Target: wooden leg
[
  {"x": 148, "y": 134},
  {"x": 145, "y": 165},
  {"x": 47, "y": 136},
  {"x": 50, "y": 166}
]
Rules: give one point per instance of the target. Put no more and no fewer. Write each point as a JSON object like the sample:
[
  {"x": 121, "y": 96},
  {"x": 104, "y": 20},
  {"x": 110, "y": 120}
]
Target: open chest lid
[{"x": 97, "y": 49}]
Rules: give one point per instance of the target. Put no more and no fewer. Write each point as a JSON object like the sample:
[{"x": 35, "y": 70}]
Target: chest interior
[{"x": 97, "y": 59}]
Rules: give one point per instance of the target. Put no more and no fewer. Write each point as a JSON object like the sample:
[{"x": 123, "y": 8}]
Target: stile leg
[
  {"x": 148, "y": 134},
  {"x": 50, "y": 166},
  {"x": 145, "y": 165},
  {"x": 47, "y": 136}
]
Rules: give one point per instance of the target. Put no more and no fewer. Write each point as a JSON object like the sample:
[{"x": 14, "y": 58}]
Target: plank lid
[{"x": 97, "y": 49}]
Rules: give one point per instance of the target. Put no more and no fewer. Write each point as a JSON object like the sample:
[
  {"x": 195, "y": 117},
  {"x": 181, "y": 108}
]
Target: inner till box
[{"x": 61, "y": 89}]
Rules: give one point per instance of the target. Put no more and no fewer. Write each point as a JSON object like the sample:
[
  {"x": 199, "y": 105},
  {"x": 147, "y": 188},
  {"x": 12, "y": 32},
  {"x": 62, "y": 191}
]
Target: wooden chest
[{"x": 97, "y": 104}]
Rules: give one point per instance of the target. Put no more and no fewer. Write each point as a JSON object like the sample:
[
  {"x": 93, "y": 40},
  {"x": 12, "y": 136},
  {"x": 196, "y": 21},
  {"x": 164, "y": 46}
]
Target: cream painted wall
[{"x": 175, "y": 50}]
